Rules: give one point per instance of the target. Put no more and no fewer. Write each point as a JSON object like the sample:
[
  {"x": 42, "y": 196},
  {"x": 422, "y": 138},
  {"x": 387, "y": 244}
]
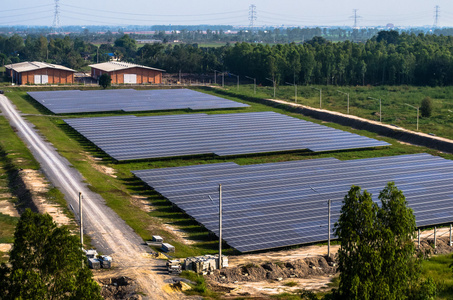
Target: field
[{"x": 393, "y": 98}]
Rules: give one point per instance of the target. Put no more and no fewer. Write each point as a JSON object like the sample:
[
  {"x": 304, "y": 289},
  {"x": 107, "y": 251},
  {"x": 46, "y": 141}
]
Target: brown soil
[
  {"x": 37, "y": 185},
  {"x": 6, "y": 207},
  {"x": 118, "y": 288},
  {"x": 101, "y": 168}
]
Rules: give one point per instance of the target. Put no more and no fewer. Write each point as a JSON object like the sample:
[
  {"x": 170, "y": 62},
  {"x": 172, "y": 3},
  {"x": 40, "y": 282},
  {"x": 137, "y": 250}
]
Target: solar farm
[
  {"x": 128, "y": 100},
  {"x": 132, "y": 138},
  {"x": 275, "y": 205}
]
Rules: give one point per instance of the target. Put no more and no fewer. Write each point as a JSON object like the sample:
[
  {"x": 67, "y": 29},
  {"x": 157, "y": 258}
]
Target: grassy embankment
[{"x": 119, "y": 192}]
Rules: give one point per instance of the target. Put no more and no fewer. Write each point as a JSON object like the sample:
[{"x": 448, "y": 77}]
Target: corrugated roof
[
  {"x": 119, "y": 65},
  {"x": 35, "y": 65}
]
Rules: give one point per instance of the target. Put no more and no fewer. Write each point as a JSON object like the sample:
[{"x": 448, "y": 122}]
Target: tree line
[{"x": 388, "y": 58}]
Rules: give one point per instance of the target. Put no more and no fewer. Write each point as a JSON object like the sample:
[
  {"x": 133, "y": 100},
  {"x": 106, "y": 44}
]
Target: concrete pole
[
  {"x": 320, "y": 98},
  {"x": 215, "y": 77},
  {"x": 275, "y": 86},
  {"x": 223, "y": 79},
  {"x": 254, "y": 86},
  {"x": 380, "y": 111},
  {"x": 238, "y": 82},
  {"x": 435, "y": 239},
  {"x": 419, "y": 239},
  {"x": 348, "y": 103},
  {"x": 81, "y": 218},
  {"x": 450, "y": 235},
  {"x": 220, "y": 226},
  {"x": 328, "y": 230},
  {"x": 417, "y": 117}
]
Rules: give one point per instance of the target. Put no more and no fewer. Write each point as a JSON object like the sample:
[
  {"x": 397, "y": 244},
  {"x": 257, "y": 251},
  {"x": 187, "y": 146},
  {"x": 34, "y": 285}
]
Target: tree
[
  {"x": 105, "y": 80},
  {"x": 46, "y": 263},
  {"x": 377, "y": 256},
  {"x": 426, "y": 107}
]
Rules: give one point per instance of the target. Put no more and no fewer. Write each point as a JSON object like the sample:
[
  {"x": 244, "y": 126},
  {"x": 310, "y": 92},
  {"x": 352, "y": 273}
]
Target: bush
[{"x": 426, "y": 107}]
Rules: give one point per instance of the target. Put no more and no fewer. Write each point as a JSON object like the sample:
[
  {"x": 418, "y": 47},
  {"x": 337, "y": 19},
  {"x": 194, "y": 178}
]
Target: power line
[
  {"x": 56, "y": 18},
  {"x": 436, "y": 16},
  {"x": 355, "y": 17},
  {"x": 252, "y": 16}
]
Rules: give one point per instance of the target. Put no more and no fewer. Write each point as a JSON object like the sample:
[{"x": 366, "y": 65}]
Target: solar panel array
[
  {"x": 274, "y": 205},
  {"x": 131, "y": 137},
  {"x": 75, "y": 101}
]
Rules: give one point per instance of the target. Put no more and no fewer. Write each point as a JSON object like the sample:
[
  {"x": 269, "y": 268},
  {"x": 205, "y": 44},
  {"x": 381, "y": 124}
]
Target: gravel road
[{"x": 109, "y": 233}]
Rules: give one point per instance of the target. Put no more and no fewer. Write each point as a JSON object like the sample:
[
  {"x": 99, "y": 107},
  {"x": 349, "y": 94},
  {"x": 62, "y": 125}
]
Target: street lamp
[
  {"x": 215, "y": 80},
  {"x": 220, "y": 224},
  {"x": 273, "y": 82},
  {"x": 295, "y": 90},
  {"x": 328, "y": 226},
  {"x": 380, "y": 107},
  {"x": 254, "y": 84},
  {"x": 417, "y": 108},
  {"x": 237, "y": 76},
  {"x": 320, "y": 96},
  {"x": 348, "y": 98}
]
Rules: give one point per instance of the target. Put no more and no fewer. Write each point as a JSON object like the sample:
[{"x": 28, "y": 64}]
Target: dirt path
[{"x": 109, "y": 232}]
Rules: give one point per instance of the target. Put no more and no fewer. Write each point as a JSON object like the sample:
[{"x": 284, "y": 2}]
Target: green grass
[
  {"x": 393, "y": 98},
  {"x": 118, "y": 191},
  {"x": 438, "y": 268},
  {"x": 7, "y": 227}
]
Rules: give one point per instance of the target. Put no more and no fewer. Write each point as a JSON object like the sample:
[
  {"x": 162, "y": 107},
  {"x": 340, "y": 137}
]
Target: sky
[{"x": 231, "y": 12}]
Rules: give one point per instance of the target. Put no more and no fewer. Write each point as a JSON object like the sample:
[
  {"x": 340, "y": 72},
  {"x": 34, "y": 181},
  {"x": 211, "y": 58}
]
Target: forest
[{"x": 389, "y": 58}]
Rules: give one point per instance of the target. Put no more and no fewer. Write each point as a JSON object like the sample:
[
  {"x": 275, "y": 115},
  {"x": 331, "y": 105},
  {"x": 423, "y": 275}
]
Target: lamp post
[
  {"x": 215, "y": 80},
  {"x": 237, "y": 76},
  {"x": 380, "y": 108},
  {"x": 295, "y": 90},
  {"x": 215, "y": 77},
  {"x": 328, "y": 222},
  {"x": 254, "y": 84},
  {"x": 320, "y": 96},
  {"x": 417, "y": 108},
  {"x": 273, "y": 82},
  {"x": 220, "y": 224},
  {"x": 348, "y": 98}
]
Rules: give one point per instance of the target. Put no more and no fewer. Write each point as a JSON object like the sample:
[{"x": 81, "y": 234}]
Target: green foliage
[
  {"x": 105, "y": 80},
  {"x": 426, "y": 108},
  {"x": 377, "y": 256},
  {"x": 46, "y": 263}
]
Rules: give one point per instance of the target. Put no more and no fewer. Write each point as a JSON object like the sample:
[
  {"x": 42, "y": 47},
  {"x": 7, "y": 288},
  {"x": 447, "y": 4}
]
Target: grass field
[{"x": 393, "y": 99}]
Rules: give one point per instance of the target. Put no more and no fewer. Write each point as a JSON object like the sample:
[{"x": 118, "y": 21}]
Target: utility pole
[
  {"x": 329, "y": 203},
  {"x": 355, "y": 17},
  {"x": 215, "y": 77},
  {"x": 436, "y": 16},
  {"x": 220, "y": 226},
  {"x": 380, "y": 107},
  {"x": 348, "y": 98},
  {"x": 97, "y": 55},
  {"x": 273, "y": 82},
  {"x": 254, "y": 84},
  {"x": 81, "y": 218}
]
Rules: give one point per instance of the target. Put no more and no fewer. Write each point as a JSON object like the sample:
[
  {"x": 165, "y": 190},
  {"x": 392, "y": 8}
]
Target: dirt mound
[
  {"x": 304, "y": 268},
  {"x": 119, "y": 288},
  {"x": 442, "y": 246}
]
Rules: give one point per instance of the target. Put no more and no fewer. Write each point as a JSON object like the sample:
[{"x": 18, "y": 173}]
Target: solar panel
[
  {"x": 131, "y": 137},
  {"x": 75, "y": 101},
  {"x": 274, "y": 205}
]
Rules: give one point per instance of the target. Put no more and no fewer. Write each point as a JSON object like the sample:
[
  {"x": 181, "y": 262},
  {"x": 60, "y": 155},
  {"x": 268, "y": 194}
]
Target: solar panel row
[
  {"x": 75, "y": 101},
  {"x": 131, "y": 137},
  {"x": 274, "y": 205}
]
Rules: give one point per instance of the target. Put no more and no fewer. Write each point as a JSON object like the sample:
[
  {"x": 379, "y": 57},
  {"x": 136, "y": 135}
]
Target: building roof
[
  {"x": 119, "y": 65},
  {"x": 35, "y": 65}
]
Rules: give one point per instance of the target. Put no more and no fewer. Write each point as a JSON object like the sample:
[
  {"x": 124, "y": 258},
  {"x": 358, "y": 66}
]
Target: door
[
  {"x": 37, "y": 79},
  {"x": 44, "y": 79},
  {"x": 130, "y": 78}
]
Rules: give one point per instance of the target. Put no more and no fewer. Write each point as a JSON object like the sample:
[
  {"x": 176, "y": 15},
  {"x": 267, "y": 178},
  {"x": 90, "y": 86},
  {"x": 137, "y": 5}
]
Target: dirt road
[{"x": 109, "y": 233}]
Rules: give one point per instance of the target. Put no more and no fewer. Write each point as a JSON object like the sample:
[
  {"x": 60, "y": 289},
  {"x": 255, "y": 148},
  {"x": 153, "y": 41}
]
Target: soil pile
[
  {"x": 304, "y": 268},
  {"x": 119, "y": 288}
]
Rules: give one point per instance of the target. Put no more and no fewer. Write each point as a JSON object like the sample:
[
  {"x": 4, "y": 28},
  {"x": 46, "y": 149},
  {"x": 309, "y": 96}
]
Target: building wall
[
  {"x": 55, "y": 76},
  {"x": 143, "y": 75}
]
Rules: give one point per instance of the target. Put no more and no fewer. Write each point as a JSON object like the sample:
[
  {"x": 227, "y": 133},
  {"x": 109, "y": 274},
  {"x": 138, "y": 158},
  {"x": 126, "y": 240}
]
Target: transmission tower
[
  {"x": 252, "y": 16},
  {"x": 436, "y": 16},
  {"x": 56, "y": 17},
  {"x": 355, "y": 17}
]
